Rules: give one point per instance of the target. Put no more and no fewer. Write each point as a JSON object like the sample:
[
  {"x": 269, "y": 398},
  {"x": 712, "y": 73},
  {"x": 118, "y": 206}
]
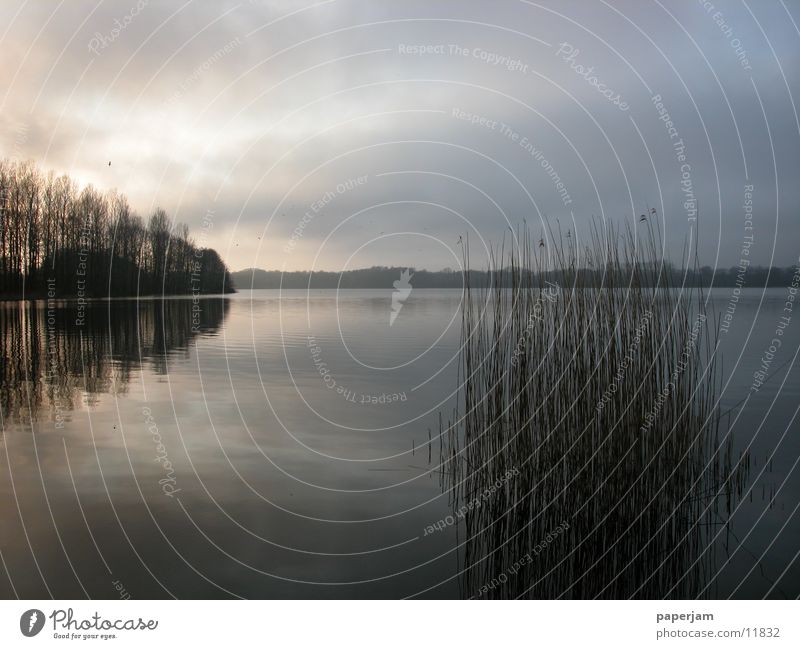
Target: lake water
[{"x": 286, "y": 445}]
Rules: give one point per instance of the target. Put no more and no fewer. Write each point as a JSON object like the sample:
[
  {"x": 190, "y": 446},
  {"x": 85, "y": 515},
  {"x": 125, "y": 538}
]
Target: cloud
[{"x": 256, "y": 109}]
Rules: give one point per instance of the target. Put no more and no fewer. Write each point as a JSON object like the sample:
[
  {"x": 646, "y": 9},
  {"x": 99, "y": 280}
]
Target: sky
[{"x": 342, "y": 134}]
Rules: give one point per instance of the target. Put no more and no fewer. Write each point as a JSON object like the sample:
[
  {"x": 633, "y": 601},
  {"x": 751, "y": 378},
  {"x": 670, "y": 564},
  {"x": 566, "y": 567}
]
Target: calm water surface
[{"x": 286, "y": 445}]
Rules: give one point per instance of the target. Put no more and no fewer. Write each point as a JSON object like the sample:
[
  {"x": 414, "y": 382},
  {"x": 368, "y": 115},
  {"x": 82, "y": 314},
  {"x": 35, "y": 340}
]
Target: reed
[{"x": 596, "y": 392}]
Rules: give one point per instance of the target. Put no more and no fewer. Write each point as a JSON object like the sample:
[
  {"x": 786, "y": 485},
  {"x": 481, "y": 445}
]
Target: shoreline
[{"x": 39, "y": 296}]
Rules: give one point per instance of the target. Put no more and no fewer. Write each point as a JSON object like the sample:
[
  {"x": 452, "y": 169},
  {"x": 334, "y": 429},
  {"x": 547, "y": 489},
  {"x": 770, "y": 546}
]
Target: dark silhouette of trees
[{"x": 89, "y": 243}]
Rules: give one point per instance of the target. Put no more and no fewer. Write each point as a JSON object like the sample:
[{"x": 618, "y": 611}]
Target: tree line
[
  {"x": 383, "y": 277},
  {"x": 55, "y": 235}
]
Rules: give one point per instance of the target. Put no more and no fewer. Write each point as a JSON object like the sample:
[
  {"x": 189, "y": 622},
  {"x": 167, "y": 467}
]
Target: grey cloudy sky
[{"x": 261, "y": 116}]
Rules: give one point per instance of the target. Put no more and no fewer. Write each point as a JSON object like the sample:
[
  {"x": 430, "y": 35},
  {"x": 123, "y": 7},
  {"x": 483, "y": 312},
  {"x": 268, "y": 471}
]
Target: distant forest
[
  {"x": 383, "y": 277},
  {"x": 88, "y": 243}
]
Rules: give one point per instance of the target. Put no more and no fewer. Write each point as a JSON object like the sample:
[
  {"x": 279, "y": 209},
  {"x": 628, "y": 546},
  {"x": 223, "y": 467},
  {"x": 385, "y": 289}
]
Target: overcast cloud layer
[{"x": 342, "y": 134}]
